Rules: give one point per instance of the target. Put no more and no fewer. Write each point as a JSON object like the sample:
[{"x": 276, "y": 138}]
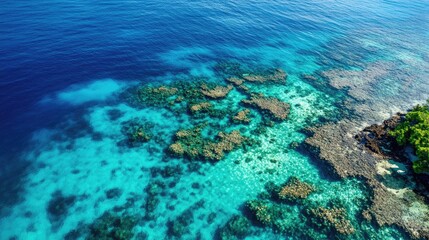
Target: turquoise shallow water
[{"x": 81, "y": 59}]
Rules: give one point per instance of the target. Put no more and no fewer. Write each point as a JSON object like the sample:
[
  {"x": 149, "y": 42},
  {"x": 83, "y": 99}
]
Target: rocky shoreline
[{"x": 397, "y": 197}]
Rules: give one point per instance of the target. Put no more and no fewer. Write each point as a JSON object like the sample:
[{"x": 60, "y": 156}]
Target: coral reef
[
  {"x": 335, "y": 218},
  {"x": 137, "y": 132},
  {"x": 273, "y": 107},
  {"x": 226, "y": 142},
  {"x": 190, "y": 143},
  {"x": 335, "y": 145},
  {"x": 203, "y": 107},
  {"x": 235, "y": 81},
  {"x": 295, "y": 189},
  {"x": 153, "y": 190},
  {"x": 242, "y": 117},
  {"x": 111, "y": 226},
  {"x": 271, "y": 214},
  {"x": 262, "y": 211},
  {"x": 237, "y": 227},
  {"x": 217, "y": 92},
  {"x": 156, "y": 96},
  {"x": 358, "y": 82},
  {"x": 275, "y": 76},
  {"x": 180, "y": 226}
]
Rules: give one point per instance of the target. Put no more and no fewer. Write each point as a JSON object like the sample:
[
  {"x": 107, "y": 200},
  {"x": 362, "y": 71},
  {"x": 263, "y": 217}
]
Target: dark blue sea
[{"x": 69, "y": 68}]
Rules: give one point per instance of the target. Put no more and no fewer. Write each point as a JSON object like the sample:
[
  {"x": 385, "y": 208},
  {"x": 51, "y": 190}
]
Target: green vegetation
[{"x": 414, "y": 130}]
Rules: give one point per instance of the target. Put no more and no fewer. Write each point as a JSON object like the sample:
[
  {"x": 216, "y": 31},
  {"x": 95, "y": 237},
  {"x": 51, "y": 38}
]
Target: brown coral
[
  {"x": 278, "y": 76},
  {"x": 190, "y": 143},
  {"x": 226, "y": 143},
  {"x": 199, "y": 107},
  {"x": 242, "y": 116},
  {"x": 177, "y": 149},
  {"x": 157, "y": 96},
  {"x": 295, "y": 189},
  {"x": 261, "y": 211},
  {"x": 216, "y": 92},
  {"x": 275, "y": 108},
  {"x": 335, "y": 218},
  {"x": 235, "y": 81}
]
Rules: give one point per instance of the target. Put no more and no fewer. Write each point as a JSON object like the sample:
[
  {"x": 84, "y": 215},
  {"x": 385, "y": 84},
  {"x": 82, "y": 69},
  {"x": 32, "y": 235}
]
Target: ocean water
[{"x": 67, "y": 67}]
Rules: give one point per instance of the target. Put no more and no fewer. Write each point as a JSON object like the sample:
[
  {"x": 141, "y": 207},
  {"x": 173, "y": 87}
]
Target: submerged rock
[
  {"x": 333, "y": 143},
  {"x": 113, "y": 193},
  {"x": 376, "y": 137}
]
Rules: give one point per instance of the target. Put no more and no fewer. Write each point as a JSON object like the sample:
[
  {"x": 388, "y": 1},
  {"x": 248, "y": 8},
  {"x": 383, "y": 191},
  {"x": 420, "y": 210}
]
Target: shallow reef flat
[{"x": 222, "y": 154}]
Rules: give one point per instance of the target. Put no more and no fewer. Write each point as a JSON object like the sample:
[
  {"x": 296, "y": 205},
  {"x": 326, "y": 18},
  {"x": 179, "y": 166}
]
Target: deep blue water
[{"x": 48, "y": 46}]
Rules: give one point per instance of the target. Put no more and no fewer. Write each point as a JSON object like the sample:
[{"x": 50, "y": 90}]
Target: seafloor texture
[{"x": 246, "y": 130}]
